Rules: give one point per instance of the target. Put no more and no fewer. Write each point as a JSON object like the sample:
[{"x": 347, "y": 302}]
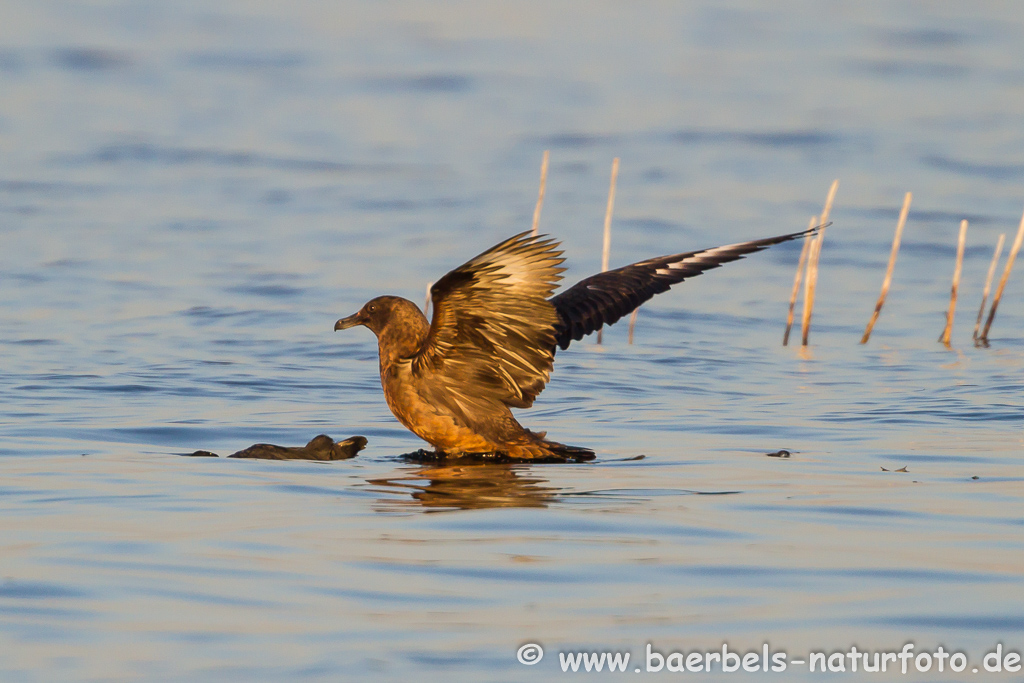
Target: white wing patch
[{"x": 708, "y": 255}]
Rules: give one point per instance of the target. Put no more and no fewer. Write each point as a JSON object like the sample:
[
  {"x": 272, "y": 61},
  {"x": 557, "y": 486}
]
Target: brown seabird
[{"x": 491, "y": 343}]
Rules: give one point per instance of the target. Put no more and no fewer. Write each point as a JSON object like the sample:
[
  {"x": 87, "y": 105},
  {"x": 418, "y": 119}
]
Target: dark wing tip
[{"x": 604, "y": 298}]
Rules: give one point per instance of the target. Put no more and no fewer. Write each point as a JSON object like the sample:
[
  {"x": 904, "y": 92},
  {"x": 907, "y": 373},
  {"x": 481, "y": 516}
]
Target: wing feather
[
  {"x": 493, "y": 323},
  {"x": 604, "y": 298}
]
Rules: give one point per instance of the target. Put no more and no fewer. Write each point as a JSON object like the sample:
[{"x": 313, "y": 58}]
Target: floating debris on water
[{"x": 321, "y": 447}]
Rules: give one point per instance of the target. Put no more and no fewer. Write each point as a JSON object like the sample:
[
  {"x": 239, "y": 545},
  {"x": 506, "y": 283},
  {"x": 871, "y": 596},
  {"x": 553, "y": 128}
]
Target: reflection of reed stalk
[
  {"x": 540, "y": 194},
  {"x": 796, "y": 280},
  {"x": 606, "y": 249},
  {"x": 888, "y": 272},
  {"x": 1002, "y": 281},
  {"x": 988, "y": 283},
  {"x": 944, "y": 337},
  {"x": 813, "y": 255}
]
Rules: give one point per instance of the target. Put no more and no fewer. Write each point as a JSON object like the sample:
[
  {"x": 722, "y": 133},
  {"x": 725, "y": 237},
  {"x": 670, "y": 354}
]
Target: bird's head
[{"x": 377, "y": 314}]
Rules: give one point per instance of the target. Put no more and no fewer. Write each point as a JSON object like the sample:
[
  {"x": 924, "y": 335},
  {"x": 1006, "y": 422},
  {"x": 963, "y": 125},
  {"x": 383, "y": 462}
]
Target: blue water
[{"x": 191, "y": 195}]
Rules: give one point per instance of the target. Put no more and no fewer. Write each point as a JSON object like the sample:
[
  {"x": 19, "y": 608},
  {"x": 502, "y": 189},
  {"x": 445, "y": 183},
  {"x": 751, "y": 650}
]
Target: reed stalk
[
  {"x": 632, "y": 324},
  {"x": 988, "y": 283},
  {"x": 812, "y": 263},
  {"x": 606, "y": 249},
  {"x": 796, "y": 280},
  {"x": 944, "y": 337},
  {"x": 540, "y": 194},
  {"x": 810, "y": 282},
  {"x": 888, "y": 271},
  {"x": 1002, "y": 281}
]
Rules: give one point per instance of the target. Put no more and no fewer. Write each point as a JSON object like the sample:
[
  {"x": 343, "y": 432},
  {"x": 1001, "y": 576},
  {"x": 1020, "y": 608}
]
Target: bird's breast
[{"x": 432, "y": 423}]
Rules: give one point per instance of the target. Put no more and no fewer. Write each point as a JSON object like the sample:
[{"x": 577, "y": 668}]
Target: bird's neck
[{"x": 402, "y": 337}]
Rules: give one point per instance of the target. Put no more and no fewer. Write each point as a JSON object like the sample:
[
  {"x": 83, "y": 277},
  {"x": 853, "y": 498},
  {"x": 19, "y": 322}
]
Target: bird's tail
[{"x": 536, "y": 447}]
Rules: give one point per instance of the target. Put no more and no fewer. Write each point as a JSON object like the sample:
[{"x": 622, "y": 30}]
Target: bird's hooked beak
[{"x": 351, "y": 321}]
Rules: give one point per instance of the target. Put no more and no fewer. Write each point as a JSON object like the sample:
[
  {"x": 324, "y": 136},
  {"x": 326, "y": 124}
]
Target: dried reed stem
[
  {"x": 632, "y": 324},
  {"x": 1002, "y": 281},
  {"x": 944, "y": 337},
  {"x": 810, "y": 282},
  {"x": 606, "y": 249},
  {"x": 796, "y": 280},
  {"x": 426, "y": 304},
  {"x": 888, "y": 271},
  {"x": 812, "y": 263},
  {"x": 828, "y": 205},
  {"x": 988, "y": 283},
  {"x": 540, "y": 194}
]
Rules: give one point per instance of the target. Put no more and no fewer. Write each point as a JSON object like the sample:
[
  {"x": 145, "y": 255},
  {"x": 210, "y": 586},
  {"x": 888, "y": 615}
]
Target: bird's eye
[{"x": 372, "y": 308}]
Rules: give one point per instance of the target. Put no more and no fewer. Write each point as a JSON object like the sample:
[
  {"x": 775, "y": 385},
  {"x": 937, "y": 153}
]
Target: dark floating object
[
  {"x": 492, "y": 341},
  {"x": 779, "y": 454},
  {"x": 902, "y": 469},
  {"x": 321, "y": 447},
  {"x": 975, "y": 477}
]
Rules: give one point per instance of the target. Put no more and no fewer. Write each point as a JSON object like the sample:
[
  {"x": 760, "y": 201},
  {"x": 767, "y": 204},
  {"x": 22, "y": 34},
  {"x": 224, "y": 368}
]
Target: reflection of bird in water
[
  {"x": 470, "y": 486},
  {"x": 491, "y": 344}
]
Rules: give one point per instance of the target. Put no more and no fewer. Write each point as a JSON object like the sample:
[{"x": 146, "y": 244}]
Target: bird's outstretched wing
[
  {"x": 493, "y": 327},
  {"x": 604, "y": 298}
]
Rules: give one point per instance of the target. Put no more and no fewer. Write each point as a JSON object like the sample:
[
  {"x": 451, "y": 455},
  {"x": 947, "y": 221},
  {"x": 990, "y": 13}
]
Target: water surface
[{"x": 191, "y": 196}]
